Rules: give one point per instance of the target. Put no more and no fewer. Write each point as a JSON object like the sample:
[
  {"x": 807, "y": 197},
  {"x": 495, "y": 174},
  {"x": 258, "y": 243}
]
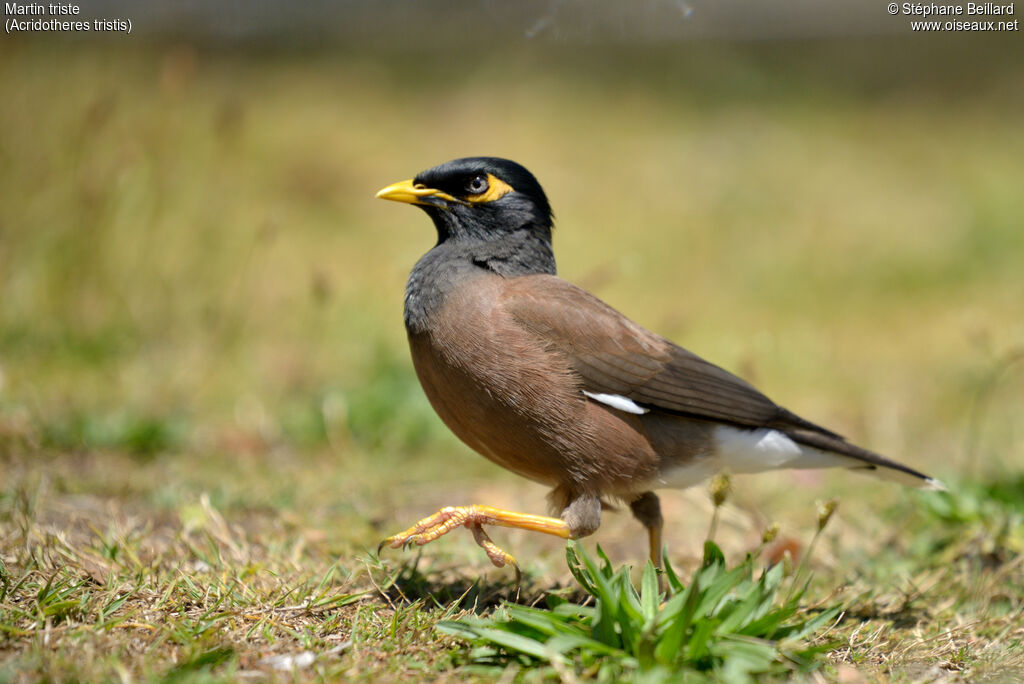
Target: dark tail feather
[{"x": 865, "y": 460}]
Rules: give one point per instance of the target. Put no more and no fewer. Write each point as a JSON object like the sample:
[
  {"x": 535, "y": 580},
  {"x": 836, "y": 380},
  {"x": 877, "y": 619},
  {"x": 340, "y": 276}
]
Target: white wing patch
[
  {"x": 740, "y": 450},
  {"x": 617, "y": 401},
  {"x": 751, "y": 451}
]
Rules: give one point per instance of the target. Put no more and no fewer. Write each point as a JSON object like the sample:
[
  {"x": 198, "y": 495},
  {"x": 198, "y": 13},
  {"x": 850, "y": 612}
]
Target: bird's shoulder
[
  {"x": 568, "y": 316},
  {"x": 614, "y": 356}
]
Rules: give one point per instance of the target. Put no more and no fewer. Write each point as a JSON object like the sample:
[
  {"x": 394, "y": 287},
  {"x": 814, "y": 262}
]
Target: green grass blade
[
  {"x": 650, "y": 597},
  {"x": 607, "y": 603},
  {"x": 668, "y": 649}
]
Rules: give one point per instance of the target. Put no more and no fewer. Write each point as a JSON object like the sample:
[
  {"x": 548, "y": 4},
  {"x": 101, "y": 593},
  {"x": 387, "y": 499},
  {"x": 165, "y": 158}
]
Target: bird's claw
[
  {"x": 474, "y": 518},
  {"x": 444, "y": 521}
]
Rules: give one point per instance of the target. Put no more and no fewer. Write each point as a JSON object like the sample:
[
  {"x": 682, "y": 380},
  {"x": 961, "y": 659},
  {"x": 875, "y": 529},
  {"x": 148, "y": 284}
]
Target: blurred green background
[{"x": 192, "y": 261}]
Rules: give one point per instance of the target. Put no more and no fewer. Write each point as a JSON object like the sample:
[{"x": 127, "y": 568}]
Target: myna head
[{"x": 482, "y": 198}]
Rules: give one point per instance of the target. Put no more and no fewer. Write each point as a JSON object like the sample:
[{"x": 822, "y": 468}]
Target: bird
[{"x": 548, "y": 381}]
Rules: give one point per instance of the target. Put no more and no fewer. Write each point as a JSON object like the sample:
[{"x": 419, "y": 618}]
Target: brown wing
[{"x": 614, "y": 355}]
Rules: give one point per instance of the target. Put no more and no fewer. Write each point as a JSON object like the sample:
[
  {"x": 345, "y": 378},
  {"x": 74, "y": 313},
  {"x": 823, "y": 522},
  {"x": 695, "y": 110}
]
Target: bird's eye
[{"x": 477, "y": 185}]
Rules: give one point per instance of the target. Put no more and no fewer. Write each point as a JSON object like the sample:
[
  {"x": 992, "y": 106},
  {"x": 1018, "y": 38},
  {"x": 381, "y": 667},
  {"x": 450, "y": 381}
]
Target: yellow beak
[{"x": 411, "y": 193}]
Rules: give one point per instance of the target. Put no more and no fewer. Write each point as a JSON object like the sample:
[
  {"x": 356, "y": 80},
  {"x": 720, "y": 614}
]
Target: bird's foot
[
  {"x": 475, "y": 517},
  {"x": 499, "y": 557}
]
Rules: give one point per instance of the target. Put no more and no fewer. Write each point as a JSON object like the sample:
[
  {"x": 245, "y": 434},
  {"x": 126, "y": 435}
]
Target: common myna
[{"x": 550, "y": 382}]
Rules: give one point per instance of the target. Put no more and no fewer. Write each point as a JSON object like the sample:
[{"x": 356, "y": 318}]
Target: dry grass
[{"x": 107, "y": 572}]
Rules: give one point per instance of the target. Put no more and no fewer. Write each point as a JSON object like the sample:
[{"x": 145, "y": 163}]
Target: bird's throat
[{"x": 453, "y": 262}]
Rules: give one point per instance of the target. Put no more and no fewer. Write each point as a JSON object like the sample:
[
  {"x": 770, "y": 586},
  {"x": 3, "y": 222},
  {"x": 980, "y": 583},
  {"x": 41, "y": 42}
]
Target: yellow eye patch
[{"x": 496, "y": 189}]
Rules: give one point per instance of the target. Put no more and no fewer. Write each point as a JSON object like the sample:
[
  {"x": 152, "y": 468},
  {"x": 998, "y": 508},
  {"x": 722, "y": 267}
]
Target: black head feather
[{"x": 526, "y": 207}]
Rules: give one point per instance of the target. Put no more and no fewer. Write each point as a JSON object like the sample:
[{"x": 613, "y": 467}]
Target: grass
[
  {"x": 135, "y": 578},
  {"x": 723, "y": 625},
  {"x": 207, "y": 414}
]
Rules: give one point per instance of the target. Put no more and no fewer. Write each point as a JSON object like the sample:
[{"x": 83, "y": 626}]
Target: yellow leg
[
  {"x": 654, "y": 540},
  {"x": 495, "y": 553},
  {"x": 647, "y": 509},
  {"x": 475, "y": 517}
]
